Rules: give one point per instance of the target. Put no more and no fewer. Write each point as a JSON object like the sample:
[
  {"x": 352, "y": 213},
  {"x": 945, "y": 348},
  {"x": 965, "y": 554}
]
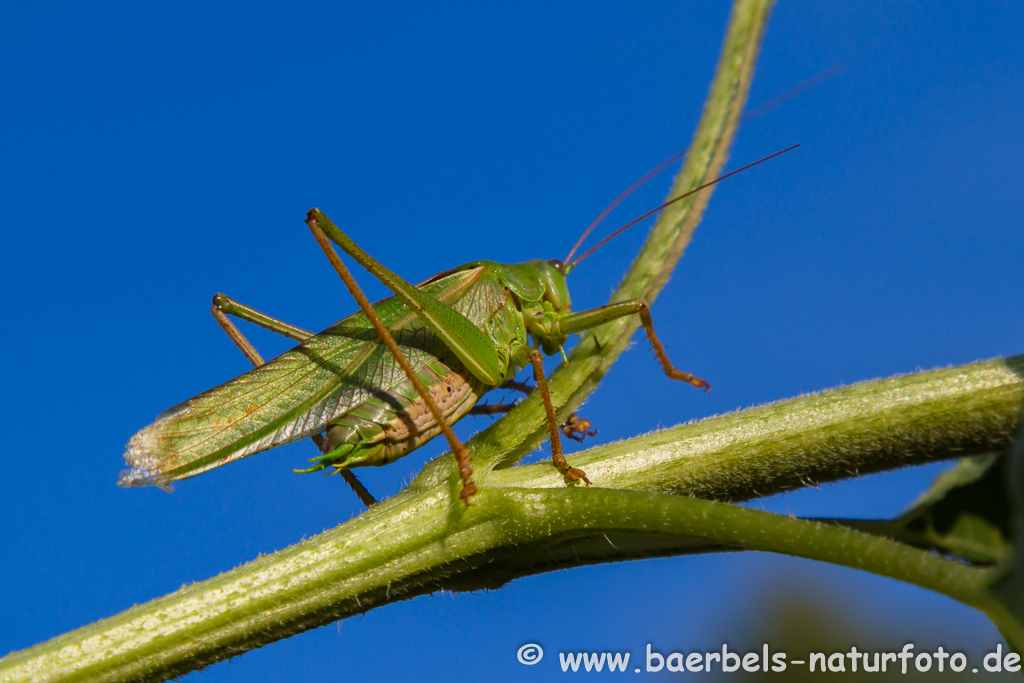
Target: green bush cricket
[{"x": 385, "y": 380}]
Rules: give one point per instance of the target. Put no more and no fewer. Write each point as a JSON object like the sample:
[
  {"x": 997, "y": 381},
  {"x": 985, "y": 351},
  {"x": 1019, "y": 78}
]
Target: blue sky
[{"x": 155, "y": 155}]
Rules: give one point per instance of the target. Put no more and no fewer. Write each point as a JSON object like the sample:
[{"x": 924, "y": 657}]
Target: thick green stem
[
  {"x": 414, "y": 544},
  {"x": 855, "y": 430}
]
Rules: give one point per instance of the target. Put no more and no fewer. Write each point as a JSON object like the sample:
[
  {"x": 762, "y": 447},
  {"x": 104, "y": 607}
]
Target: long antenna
[
  {"x": 632, "y": 188},
  {"x": 797, "y": 90},
  {"x": 656, "y": 209},
  {"x": 812, "y": 82}
]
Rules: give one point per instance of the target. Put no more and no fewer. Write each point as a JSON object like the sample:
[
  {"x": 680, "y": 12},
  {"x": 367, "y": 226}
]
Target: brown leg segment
[
  {"x": 574, "y": 428},
  {"x": 659, "y": 351},
  {"x": 491, "y": 409},
  {"x": 236, "y": 335},
  {"x": 571, "y": 473},
  {"x": 462, "y": 458},
  {"x": 589, "y": 319},
  {"x": 522, "y": 387},
  {"x": 577, "y": 427},
  {"x": 365, "y": 496}
]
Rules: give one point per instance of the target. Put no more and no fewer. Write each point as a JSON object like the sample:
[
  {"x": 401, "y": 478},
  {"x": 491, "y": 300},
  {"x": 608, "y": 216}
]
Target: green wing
[{"x": 288, "y": 398}]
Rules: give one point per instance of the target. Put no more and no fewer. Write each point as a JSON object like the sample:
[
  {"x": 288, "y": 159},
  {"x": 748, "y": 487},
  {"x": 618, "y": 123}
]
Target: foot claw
[
  {"x": 573, "y": 474},
  {"x": 468, "y": 489},
  {"x": 692, "y": 380},
  {"x": 577, "y": 427}
]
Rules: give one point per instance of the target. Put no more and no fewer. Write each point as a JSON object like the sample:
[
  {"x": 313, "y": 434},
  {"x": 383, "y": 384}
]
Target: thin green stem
[
  {"x": 508, "y": 440},
  {"x": 567, "y": 512},
  {"x": 551, "y": 512}
]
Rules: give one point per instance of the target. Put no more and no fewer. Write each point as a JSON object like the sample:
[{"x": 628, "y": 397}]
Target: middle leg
[{"x": 557, "y": 457}]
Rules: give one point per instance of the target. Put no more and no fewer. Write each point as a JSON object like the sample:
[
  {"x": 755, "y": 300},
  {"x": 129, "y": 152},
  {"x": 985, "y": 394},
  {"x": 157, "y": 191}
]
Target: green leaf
[
  {"x": 965, "y": 513},
  {"x": 1009, "y": 586}
]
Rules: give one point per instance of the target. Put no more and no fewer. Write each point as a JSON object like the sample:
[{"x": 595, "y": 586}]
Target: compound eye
[{"x": 559, "y": 266}]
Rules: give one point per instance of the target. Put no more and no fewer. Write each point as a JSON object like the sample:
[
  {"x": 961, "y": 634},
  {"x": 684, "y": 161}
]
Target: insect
[{"x": 385, "y": 380}]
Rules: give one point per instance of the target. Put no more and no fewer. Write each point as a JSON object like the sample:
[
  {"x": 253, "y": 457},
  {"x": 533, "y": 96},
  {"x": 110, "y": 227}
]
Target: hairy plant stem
[
  {"x": 507, "y": 441},
  {"x": 525, "y": 522}
]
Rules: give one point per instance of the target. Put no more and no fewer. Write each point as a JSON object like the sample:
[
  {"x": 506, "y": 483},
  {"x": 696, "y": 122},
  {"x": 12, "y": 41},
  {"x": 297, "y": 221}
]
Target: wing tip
[{"x": 144, "y": 465}]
